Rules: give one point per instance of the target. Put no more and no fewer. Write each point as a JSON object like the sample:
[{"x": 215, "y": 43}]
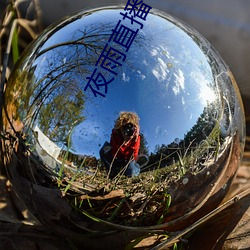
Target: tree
[
  {"x": 144, "y": 146},
  {"x": 58, "y": 116}
]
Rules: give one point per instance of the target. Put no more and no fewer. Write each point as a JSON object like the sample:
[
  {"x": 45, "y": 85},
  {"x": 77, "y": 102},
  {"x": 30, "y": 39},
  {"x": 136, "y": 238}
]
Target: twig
[
  {"x": 177, "y": 237},
  {"x": 5, "y": 64}
]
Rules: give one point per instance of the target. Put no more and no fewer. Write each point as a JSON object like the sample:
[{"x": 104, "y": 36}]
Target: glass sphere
[{"x": 120, "y": 124}]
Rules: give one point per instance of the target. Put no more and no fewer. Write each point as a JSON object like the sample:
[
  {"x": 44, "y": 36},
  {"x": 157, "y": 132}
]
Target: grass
[
  {"x": 108, "y": 199},
  {"x": 139, "y": 201}
]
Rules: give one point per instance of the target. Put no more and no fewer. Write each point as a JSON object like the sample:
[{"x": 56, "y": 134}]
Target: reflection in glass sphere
[{"x": 119, "y": 126}]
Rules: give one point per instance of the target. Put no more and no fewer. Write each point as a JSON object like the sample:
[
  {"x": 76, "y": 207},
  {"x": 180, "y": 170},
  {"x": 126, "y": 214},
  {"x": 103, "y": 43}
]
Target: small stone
[{"x": 185, "y": 181}]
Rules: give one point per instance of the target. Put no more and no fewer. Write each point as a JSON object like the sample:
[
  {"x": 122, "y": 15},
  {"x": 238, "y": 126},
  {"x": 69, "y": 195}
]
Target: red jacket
[{"x": 126, "y": 151}]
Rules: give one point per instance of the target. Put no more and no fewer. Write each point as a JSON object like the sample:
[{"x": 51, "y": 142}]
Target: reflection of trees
[
  {"x": 17, "y": 97},
  {"x": 52, "y": 76},
  {"x": 143, "y": 146},
  {"x": 163, "y": 156},
  {"x": 76, "y": 57},
  {"x": 200, "y": 141},
  {"x": 57, "y": 101},
  {"x": 203, "y": 126},
  {"x": 57, "y": 116},
  {"x": 61, "y": 70}
]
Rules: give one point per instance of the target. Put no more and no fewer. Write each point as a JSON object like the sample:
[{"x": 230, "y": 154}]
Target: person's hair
[{"x": 125, "y": 118}]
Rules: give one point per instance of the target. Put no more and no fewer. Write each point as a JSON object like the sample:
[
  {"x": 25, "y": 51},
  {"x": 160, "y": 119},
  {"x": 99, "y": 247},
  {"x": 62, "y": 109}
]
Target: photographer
[{"x": 119, "y": 156}]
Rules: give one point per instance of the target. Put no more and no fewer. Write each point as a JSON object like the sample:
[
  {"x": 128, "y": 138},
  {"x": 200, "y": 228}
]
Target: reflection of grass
[
  {"x": 141, "y": 200},
  {"x": 195, "y": 158},
  {"x": 209, "y": 148},
  {"x": 138, "y": 201},
  {"x": 132, "y": 201},
  {"x": 168, "y": 203},
  {"x": 65, "y": 157}
]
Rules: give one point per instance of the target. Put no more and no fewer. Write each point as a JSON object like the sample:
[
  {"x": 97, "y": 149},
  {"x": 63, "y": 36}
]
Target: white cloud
[
  {"x": 179, "y": 82},
  {"x": 206, "y": 94},
  {"x": 159, "y": 132},
  {"x": 141, "y": 75},
  {"x": 145, "y": 62},
  {"x": 183, "y": 100},
  {"x": 154, "y": 52},
  {"x": 125, "y": 78},
  {"x": 161, "y": 70}
]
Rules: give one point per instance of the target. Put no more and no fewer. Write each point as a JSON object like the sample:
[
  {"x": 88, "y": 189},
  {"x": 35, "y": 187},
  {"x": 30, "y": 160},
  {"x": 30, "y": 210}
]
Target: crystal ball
[{"x": 119, "y": 122}]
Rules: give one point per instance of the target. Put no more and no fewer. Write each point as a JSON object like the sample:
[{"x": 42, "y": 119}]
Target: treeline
[{"x": 171, "y": 153}]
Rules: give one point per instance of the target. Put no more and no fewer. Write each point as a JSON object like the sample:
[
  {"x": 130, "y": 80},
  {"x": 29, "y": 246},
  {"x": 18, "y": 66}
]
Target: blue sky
[{"x": 166, "y": 79}]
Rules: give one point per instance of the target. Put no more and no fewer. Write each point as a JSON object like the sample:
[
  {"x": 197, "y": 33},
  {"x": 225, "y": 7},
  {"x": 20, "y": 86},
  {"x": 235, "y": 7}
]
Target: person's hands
[{"x": 134, "y": 136}]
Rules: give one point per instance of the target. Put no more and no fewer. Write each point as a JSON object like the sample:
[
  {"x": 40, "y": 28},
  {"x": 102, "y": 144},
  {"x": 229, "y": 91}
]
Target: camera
[{"x": 128, "y": 129}]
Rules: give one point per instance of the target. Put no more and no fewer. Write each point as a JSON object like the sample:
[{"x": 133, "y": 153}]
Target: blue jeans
[{"x": 133, "y": 169}]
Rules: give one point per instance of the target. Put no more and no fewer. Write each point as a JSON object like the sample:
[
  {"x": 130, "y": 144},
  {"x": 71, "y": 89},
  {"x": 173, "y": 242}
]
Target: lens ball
[{"x": 118, "y": 122}]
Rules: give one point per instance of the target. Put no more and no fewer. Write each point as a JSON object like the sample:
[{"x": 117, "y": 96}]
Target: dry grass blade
[
  {"x": 13, "y": 19},
  {"x": 28, "y": 25}
]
